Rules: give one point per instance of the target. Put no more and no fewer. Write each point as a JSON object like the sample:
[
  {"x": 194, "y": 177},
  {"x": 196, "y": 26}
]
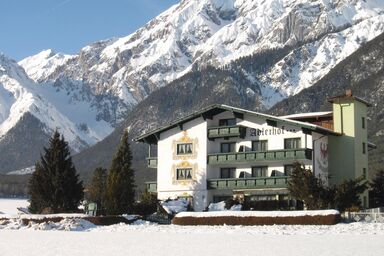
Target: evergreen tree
[
  {"x": 304, "y": 186},
  {"x": 347, "y": 194},
  {"x": 120, "y": 183},
  {"x": 55, "y": 184},
  {"x": 97, "y": 188},
  {"x": 377, "y": 186}
]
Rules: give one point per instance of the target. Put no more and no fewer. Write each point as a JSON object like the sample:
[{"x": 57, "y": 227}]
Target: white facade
[{"x": 189, "y": 174}]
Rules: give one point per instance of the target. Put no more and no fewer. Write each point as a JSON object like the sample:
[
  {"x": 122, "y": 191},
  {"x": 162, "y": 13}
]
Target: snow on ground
[
  {"x": 9, "y": 206},
  {"x": 79, "y": 237},
  {"x": 146, "y": 239},
  {"x": 238, "y": 213}
]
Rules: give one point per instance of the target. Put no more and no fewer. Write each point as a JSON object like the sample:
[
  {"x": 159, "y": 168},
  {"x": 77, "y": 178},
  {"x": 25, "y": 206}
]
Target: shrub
[
  {"x": 231, "y": 202},
  {"x": 147, "y": 204},
  {"x": 250, "y": 221}
]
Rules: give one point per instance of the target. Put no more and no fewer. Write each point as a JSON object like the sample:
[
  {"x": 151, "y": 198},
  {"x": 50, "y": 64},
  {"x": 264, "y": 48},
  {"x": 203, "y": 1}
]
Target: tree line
[
  {"x": 55, "y": 186},
  {"x": 316, "y": 194}
]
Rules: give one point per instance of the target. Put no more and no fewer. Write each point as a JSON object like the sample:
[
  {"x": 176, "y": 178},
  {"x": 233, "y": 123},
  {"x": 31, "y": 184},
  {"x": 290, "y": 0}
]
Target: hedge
[{"x": 252, "y": 220}]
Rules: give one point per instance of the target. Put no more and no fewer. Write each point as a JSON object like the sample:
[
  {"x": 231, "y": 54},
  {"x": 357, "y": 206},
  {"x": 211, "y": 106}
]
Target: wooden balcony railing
[
  {"x": 249, "y": 183},
  {"x": 255, "y": 156},
  {"x": 226, "y": 131}
]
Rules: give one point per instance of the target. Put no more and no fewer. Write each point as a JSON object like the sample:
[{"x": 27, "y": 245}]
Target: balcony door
[
  {"x": 227, "y": 122},
  {"x": 259, "y": 171},
  {"x": 227, "y": 173},
  {"x": 228, "y": 147},
  {"x": 293, "y": 143},
  {"x": 260, "y": 145}
]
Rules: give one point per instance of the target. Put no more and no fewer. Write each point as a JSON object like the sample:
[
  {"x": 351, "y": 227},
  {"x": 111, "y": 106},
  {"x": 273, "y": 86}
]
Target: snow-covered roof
[{"x": 308, "y": 115}]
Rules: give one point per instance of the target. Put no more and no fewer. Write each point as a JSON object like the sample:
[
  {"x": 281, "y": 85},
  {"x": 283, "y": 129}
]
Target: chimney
[{"x": 348, "y": 93}]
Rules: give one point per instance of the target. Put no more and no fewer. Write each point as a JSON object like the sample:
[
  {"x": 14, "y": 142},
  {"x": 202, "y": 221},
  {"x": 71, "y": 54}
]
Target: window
[
  {"x": 227, "y": 122},
  {"x": 227, "y": 173},
  {"x": 260, "y": 145},
  {"x": 364, "y": 173},
  {"x": 292, "y": 143},
  {"x": 276, "y": 173},
  {"x": 288, "y": 169},
  {"x": 184, "y": 149},
  {"x": 228, "y": 147},
  {"x": 184, "y": 174},
  {"x": 259, "y": 171},
  {"x": 364, "y": 148},
  {"x": 263, "y": 198},
  {"x": 363, "y": 122}
]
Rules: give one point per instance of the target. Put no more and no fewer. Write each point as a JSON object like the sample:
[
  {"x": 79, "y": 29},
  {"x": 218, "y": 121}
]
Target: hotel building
[{"x": 222, "y": 151}]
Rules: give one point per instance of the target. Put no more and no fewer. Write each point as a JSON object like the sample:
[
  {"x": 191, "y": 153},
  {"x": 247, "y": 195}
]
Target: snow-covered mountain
[
  {"x": 53, "y": 107},
  {"x": 270, "y": 50},
  {"x": 196, "y": 33}
]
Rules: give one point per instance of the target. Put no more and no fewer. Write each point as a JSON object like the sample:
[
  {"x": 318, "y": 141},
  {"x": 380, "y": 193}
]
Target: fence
[{"x": 370, "y": 215}]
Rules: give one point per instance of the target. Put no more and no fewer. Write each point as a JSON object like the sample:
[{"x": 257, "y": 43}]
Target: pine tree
[
  {"x": 97, "y": 188},
  {"x": 120, "y": 183},
  {"x": 55, "y": 184},
  {"x": 377, "y": 186}
]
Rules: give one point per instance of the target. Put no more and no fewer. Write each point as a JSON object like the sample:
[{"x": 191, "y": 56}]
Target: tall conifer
[
  {"x": 97, "y": 188},
  {"x": 121, "y": 183},
  {"x": 55, "y": 184}
]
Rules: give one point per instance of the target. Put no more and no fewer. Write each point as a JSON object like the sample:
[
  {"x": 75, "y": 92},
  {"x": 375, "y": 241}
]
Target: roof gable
[{"x": 212, "y": 110}]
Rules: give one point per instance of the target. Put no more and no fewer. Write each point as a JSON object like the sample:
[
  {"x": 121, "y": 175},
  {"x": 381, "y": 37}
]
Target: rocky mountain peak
[{"x": 262, "y": 51}]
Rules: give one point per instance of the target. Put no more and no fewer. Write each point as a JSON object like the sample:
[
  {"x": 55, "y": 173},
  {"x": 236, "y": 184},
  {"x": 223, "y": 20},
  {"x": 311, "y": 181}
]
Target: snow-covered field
[
  {"x": 147, "y": 239},
  {"x": 9, "y": 206}
]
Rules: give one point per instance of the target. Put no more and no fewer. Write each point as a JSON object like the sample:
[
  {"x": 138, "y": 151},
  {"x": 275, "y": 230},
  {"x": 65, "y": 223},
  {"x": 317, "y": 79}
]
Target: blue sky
[{"x": 29, "y": 26}]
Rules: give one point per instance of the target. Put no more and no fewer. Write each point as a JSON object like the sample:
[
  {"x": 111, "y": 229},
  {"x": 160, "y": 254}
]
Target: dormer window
[{"x": 227, "y": 122}]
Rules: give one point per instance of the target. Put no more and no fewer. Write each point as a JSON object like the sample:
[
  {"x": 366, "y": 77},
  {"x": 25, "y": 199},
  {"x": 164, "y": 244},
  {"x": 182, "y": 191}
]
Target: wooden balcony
[
  {"x": 249, "y": 183},
  {"x": 226, "y": 132},
  {"x": 260, "y": 156},
  {"x": 152, "y": 162},
  {"x": 151, "y": 186}
]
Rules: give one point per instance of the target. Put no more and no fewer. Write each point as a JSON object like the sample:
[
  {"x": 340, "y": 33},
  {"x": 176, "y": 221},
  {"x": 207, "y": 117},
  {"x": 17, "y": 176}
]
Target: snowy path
[{"x": 342, "y": 239}]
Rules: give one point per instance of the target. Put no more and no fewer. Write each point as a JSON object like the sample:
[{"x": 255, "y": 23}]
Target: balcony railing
[
  {"x": 151, "y": 186},
  {"x": 249, "y": 183},
  {"x": 259, "y": 156},
  {"x": 226, "y": 131},
  {"x": 152, "y": 162}
]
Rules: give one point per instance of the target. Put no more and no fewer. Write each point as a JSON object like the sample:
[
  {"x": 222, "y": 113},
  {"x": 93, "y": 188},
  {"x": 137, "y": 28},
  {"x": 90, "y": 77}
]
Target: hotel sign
[{"x": 269, "y": 131}]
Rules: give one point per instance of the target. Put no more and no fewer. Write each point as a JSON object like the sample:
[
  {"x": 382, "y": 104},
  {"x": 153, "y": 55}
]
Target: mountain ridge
[{"x": 255, "y": 53}]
